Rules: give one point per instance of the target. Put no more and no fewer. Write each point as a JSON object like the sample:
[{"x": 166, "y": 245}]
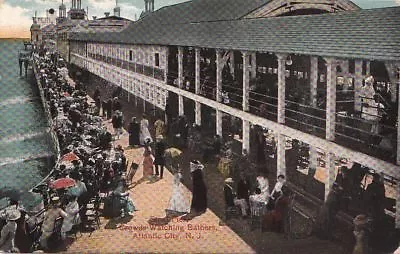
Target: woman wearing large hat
[{"x": 7, "y": 240}]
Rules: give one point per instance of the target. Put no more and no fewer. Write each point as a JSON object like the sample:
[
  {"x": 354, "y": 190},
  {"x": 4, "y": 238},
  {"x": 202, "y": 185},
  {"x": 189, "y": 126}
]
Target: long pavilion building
[{"x": 299, "y": 69}]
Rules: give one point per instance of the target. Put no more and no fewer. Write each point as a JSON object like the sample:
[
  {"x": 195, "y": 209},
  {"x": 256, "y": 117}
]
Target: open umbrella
[
  {"x": 173, "y": 152},
  {"x": 69, "y": 157},
  {"x": 62, "y": 183}
]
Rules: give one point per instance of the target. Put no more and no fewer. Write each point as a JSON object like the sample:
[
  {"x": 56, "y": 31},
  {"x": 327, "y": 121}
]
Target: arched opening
[{"x": 298, "y": 12}]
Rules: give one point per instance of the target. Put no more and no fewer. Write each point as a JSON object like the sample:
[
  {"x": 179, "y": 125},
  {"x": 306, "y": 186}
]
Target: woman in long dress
[
  {"x": 145, "y": 136},
  {"x": 73, "y": 218},
  {"x": 148, "y": 163},
  {"x": 199, "y": 199},
  {"x": 178, "y": 202},
  {"x": 134, "y": 131}
]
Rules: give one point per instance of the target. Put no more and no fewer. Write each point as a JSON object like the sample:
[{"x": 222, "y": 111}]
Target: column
[
  {"x": 398, "y": 130},
  {"x": 281, "y": 155},
  {"x": 197, "y": 70},
  {"x": 218, "y": 124},
  {"x": 397, "y": 216},
  {"x": 313, "y": 80},
  {"x": 219, "y": 63},
  {"x": 281, "y": 87},
  {"x": 330, "y": 172},
  {"x": 253, "y": 65},
  {"x": 197, "y": 85},
  {"x": 246, "y": 135},
  {"x": 166, "y": 66},
  {"x": 232, "y": 63},
  {"x": 181, "y": 110},
  {"x": 357, "y": 85},
  {"x": 367, "y": 68},
  {"x": 246, "y": 81},
  {"x": 180, "y": 80},
  {"x": 313, "y": 159},
  {"x": 180, "y": 67},
  {"x": 330, "y": 98},
  {"x": 197, "y": 116}
]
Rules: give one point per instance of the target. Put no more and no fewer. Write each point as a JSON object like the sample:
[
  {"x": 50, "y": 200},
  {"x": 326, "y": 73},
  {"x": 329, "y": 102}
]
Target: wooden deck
[{"x": 203, "y": 234}]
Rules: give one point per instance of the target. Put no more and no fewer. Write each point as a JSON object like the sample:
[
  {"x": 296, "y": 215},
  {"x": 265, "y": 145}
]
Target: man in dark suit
[
  {"x": 159, "y": 159},
  {"x": 232, "y": 200}
]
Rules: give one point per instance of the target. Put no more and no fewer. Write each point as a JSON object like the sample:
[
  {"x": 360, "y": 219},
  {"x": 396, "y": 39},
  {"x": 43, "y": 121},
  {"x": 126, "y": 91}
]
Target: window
[
  {"x": 130, "y": 55},
  {"x": 157, "y": 60}
]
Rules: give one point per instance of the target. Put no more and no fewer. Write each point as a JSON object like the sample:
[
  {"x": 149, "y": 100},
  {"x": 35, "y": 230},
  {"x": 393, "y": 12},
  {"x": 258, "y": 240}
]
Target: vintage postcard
[{"x": 200, "y": 126}]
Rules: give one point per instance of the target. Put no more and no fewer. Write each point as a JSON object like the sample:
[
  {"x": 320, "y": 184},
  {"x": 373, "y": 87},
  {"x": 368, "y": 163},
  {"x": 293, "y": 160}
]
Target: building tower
[
  {"x": 36, "y": 32},
  {"x": 76, "y": 11},
  {"x": 62, "y": 10},
  {"x": 117, "y": 9},
  {"x": 148, "y": 8}
]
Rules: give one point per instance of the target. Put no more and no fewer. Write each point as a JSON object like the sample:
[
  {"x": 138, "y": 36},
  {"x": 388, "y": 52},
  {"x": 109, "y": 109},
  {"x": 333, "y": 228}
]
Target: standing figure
[
  {"x": 178, "y": 202},
  {"x": 263, "y": 185},
  {"x": 159, "y": 125},
  {"x": 147, "y": 163},
  {"x": 8, "y": 232},
  {"x": 199, "y": 199},
  {"x": 159, "y": 160},
  {"x": 49, "y": 220},
  {"x": 134, "y": 130},
  {"x": 144, "y": 131},
  {"x": 72, "y": 218},
  {"x": 117, "y": 122}
]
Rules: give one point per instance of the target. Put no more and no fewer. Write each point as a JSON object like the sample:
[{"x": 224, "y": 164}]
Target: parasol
[
  {"x": 62, "y": 183},
  {"x": 173, "y": 152},
  {"x": 69, "y": 157}
]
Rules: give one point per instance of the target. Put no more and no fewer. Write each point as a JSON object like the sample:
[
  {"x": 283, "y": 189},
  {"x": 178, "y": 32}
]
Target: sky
[{"x": 16, "y": 15}]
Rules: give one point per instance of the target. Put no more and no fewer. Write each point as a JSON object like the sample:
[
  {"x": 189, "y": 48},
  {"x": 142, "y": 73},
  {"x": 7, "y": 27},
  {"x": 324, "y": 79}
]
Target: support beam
[
  {"x": 313, "y": 80},
  {"x": 197, "y": 70},
  {"x": 398, "y": 127},
  {"x": 330, "y": 99},
  {"x": 180, "y": 67},
  {"x": 220, "y": 66},
  {"x": 246, "y": 80},
  {"x": 253, "y": 65},
  {"x": 281, "y": 87},
  {"x": 166, "y": 66},
  {"x": 358, "y": 85},
  {"x": 330, "y": 172},
  {"x": 281, "y": 156},
  {"x": 218, "y": 124},
  {"x": 181, "y": 110},
  {"x": 197, "y": 116},
  {"x": 246, "y": 136}
]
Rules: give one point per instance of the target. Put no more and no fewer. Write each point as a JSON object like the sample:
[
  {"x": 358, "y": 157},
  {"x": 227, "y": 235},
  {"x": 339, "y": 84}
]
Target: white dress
[
  {"x": 144, "y": 132},
  {"x": 72, "y": 218},
  {"x": 178, "y": 202},
  {"x": 263, "y": 184}
]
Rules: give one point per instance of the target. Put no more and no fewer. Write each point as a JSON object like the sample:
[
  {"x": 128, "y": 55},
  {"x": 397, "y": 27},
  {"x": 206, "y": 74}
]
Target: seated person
[
  {"x": 277, "y": 191},
  {"x": 275, "y": 219},
  {"x": 257, "y": 196},
  {"x": 231, "y": 200}
]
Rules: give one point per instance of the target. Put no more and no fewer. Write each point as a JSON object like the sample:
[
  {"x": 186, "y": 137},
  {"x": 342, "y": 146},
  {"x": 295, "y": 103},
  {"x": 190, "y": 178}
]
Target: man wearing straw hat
[{"x": 7, "y": 240}]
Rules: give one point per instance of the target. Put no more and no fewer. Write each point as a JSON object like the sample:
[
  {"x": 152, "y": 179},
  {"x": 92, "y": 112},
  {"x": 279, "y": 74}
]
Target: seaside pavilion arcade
[{"x": 288, "y": 74}]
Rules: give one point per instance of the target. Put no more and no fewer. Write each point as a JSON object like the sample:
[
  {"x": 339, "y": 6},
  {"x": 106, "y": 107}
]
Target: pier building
[{"x": 300, "y": 70}]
